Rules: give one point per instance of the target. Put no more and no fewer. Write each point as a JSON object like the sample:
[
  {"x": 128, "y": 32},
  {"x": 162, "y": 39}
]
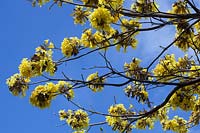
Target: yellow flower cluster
[
  {"x": 196, "y": 38},
  {"x": 137, "y": 91},
  {"x": 196, "y": 41},
  {"x": 100, "y": 40},
  {"x": 48, "y": 44},
  {"x": 113, "y": 4},
  {"x": 43, "y": 94},
  {"x": 78, "y": 120},
  {"x": 177, "y": 124},
  {"x": 183, "y": 100},
  {"x": 186, "y": 39},
  {"x": 66, "y": 89},
  {"x": 80, "y": 131},
  {"x": 194, "y": 71},
  {"x": 41, "y": 61},
  {"x": 124, "y": 40},
  {"x": 161, "y": 114},
  {"x": 130, "y": 25},
  {"x": 40, "y": 2},
  {"x": 80, "y": 15},
  {"x": 63, "y": 115},
  {"x": 144, "y": 122},
  {"x": 179, "y": 7},
  {"x": 168, "y": 68},
  {"x": 134, "y": 65},
  {"x": 70, "y": 46},
  {"x": 95, "y": 83},
  {"x": 101, "y": 19},
  {"x": 197, "y": 27},
  {"x": 94, "y": 40},
  {"x": 132, "y": 68},
  {"x": 117, "y": 123},
  {"x": 194, "y": 118},
  {"x": 144, "y": 6},
  {"x": 17, "y": 84},
  {"x": 90, "y": 2}
]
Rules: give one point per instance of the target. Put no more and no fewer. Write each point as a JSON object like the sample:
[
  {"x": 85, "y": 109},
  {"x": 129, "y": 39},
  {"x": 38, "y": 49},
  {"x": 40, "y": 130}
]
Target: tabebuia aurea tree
[{"x": 110, "y": 25}]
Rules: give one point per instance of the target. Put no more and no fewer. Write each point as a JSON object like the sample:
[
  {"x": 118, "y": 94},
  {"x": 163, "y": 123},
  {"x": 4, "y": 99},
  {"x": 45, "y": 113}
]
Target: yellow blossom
[
  {"x": 17, "y": 84},
  {"x": 114, "y": 4},
  {"x": 66, "y": 89},
  {"x": 70, "y": 46},
  {"x": 42, "y": 95},
  {"x": 194, "y": 71},
  {"x": 80, "y": 15},
  {"x": 144, "y": 6},
  {"x": 183, "y": 100},
  {"x": 165, "y": 67},
  {"x": 62, "y": 115},
  {"x": 25, "y": 68},
  {"x": 77, "y": 119},
  {"x": 87, "y": 39},
  {"x": 101, "y": 19},
  {"x": 41, "y": 2},
  {"x": 144, "y": 122},
  {"x": 100, "y": 40},
  {"x": 115, "y": 121},
  {"x": 177, "y": 124},
  {"x": 90, "y": 2},
  {"x": 179, "y": 7},
  {"x": 95, "y": 82},
  {"x": 132, "y": 67},
  {"x": 80, "y": 131}
]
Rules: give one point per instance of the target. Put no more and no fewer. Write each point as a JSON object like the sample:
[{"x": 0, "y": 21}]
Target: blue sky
[{"x": 23, "y": 28}]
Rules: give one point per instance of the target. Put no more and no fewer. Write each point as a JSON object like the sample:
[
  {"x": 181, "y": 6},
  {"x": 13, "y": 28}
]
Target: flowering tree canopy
[{"x": 111, "y": 25}]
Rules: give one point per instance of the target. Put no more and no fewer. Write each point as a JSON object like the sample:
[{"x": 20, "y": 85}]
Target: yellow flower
[
  {"x": 65, "y": 88},
  {"x": 100, "y": 40},
  {"x": 101, "y": 19},
  {"x": 80, "y": 131},
  {"x": 95, "y": 82},
  {"x": 177, "y": 124},
  {"x": 17, "y": 84},
  {"x": 90, "y": 2},
  {"x": 51, "y": 67},
  {"x": 114, "y": 4},
  {"x": 183, "y": 100},
  {"x": 42, "y": 95},
  {"x": 144, "y": 6},
  {"x": 77, "y": 119},
  {"x": 186, "y": 39},
  {"x": 179, "y": 7},
  {"x": 115, "y": 121},
  {"x": 132, "y": 67},
  {"x": 87, "y": 39},
  {"x": 62, "y": 115},
  {"x": 165, "y": 68},
  {"x": 94, "y": 40},
  {"x": 195, "y": 71},
  {"x": 69, "y": 46},
  {"x": 41, "y": 61},
  {"x": 144, "y": 122},
  {"x": 130, "y": 24},
  {"x": 25, "y": 68},
  {"x": 42, "y": 2},
  {"x": 51, "y": 45},
  {"x": 80, "y": 15}
]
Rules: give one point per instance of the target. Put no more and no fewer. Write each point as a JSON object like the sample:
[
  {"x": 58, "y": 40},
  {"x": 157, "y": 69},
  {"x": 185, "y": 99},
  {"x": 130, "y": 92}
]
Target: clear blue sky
[{"x": 22, "y": 29}]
